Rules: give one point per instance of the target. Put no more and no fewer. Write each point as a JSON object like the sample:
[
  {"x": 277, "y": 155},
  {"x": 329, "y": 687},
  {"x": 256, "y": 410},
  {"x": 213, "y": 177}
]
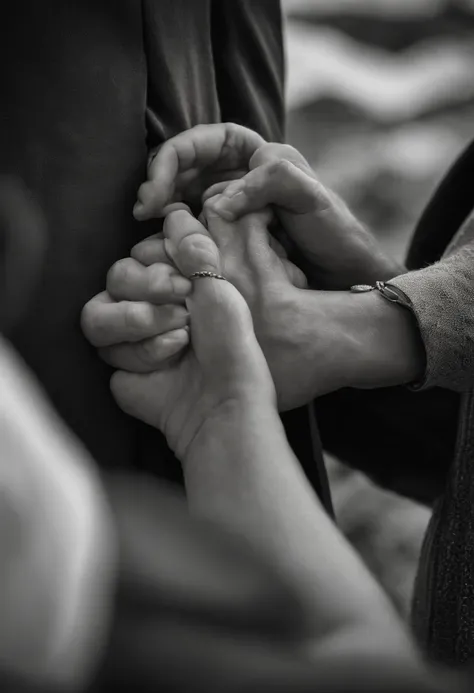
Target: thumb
[{"x": 222, "y": 333}]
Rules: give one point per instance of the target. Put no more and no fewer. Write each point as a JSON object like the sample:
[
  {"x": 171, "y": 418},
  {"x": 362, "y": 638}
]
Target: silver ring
[{"x": 204, "y": 274}]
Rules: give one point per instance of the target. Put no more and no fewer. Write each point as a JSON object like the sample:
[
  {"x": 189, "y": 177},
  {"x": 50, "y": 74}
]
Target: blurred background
[{"x": 381, "y": 101}]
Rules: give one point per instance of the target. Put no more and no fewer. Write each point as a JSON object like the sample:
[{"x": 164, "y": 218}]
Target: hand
[
  {"x": 328, "y": 235},
  {"x": 306, "y": 336},
  {"x": 187, "y": 164},
  {"x": 314, "y": 342},
  {"x": 224, "y": 366},
  {"x": 341, "y": 251},
  {"x": 135, "y": 335},
  {"x": 140, "y": 321}
]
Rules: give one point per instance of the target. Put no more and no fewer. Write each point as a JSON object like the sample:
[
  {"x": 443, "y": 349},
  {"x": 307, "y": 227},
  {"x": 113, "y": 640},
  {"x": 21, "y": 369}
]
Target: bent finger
[
  {"x": 219, "y": 187},
  {"x": 279, "y": 183},
  {"x": 224, "y": 145},
  {"x": 150, "y": 251},
  {"x": 148, "y": 355},
  {"x": 129, "y": 280},
  {"x": 106, "y": 322}
]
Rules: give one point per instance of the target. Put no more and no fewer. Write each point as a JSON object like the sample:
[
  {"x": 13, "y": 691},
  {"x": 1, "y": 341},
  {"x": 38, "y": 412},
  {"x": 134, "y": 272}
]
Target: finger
[
  {"x": 148, "y": 355},
  {"x": 189, "y": 244},
  {"x": 295, "y": 275},
  {"x": 246, "y": 243},
  {"x": 280, "y": 183},
  {"x": 191, "y": 184},
  {"x": 225, "y": 145},
  {"x": 275, "y": 151},
  {"x": 106, "y": 322},
  {"x": 150, "y": 251},
  {"x": 129, "y": 280},
  {"x": 219, "y": 313},
  {"x": 219, "y": 187},
  {"x": 222, "y": 330}
]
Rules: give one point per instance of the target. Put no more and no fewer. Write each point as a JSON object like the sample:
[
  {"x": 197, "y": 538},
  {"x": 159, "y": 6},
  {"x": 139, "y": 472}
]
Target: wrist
[
  {"x": 389, "y": 349},
  {"x": 223, "y": 432},
  {"x": 308, "y": 343},
  {"x": 364, "y": 263},
  {"x": 351, "y": 340}
]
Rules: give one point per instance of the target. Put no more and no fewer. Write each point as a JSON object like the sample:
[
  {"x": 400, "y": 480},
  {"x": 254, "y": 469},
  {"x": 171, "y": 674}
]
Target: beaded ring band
[{"x": 206, "y": 275}]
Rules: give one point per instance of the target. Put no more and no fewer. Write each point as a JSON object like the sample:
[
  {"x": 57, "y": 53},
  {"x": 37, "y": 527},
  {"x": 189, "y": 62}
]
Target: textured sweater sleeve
[{"x": 442, "y": 297}]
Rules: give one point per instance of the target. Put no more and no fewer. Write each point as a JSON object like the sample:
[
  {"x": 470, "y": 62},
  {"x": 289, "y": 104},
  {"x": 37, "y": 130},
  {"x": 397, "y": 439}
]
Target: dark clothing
[{"x": 88, "y": 86}]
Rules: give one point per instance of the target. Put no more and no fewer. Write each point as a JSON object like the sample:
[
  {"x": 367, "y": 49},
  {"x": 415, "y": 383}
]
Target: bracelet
[{"x": 388, "y": 291}]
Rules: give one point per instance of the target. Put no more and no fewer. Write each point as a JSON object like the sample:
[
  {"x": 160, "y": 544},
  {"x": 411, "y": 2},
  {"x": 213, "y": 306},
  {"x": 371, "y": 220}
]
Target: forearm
[
  {"x": 242, "y": 473},
  {"x": 343, "y": 339},
  {"x": 427, "y": 345},
  {"x": 56, "y": 541}
]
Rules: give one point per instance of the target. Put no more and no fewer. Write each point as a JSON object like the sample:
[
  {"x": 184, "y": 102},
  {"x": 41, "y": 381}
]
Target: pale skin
[
  {"x": 314, "y": 342},
  {"x": 57, "y": 541},
  {"x": 217, "y": 407},
  {"x": 212, "y": 370}
]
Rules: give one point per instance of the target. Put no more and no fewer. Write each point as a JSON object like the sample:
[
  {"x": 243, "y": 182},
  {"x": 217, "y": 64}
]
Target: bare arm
[
  {"x": 56, "y": 542},
  {"x": 242, "y": 473}
]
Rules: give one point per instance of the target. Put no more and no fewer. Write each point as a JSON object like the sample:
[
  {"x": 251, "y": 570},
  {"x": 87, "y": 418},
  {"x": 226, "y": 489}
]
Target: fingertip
[
  {"x": 150, "y": 201},
  {"x": 176, "y": 340},
  {"x": 182, "y": 286},
  {"x": 139, "y": 211},
  {"x": 181, "y": 335},
  {"x": 177, "y": 207}
]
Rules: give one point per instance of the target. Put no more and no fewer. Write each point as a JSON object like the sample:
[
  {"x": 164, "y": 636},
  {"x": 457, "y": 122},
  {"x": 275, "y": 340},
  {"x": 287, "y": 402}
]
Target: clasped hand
[{"x": 183, "y": 347}]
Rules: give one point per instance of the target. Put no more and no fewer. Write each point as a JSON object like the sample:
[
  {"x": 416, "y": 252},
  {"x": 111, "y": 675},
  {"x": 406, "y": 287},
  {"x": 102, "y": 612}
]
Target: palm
[{"x": 177, "y": 400}]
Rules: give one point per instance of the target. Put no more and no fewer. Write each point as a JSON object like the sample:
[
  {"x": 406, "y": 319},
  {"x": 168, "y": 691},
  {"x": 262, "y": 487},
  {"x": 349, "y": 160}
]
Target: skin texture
[
  {"x": 217, "y": 407},
  {"x": 314, "y": 342}
]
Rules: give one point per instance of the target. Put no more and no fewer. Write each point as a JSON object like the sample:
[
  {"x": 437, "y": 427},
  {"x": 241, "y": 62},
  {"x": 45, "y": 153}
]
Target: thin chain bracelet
[{"x": 388, "y": 291}]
